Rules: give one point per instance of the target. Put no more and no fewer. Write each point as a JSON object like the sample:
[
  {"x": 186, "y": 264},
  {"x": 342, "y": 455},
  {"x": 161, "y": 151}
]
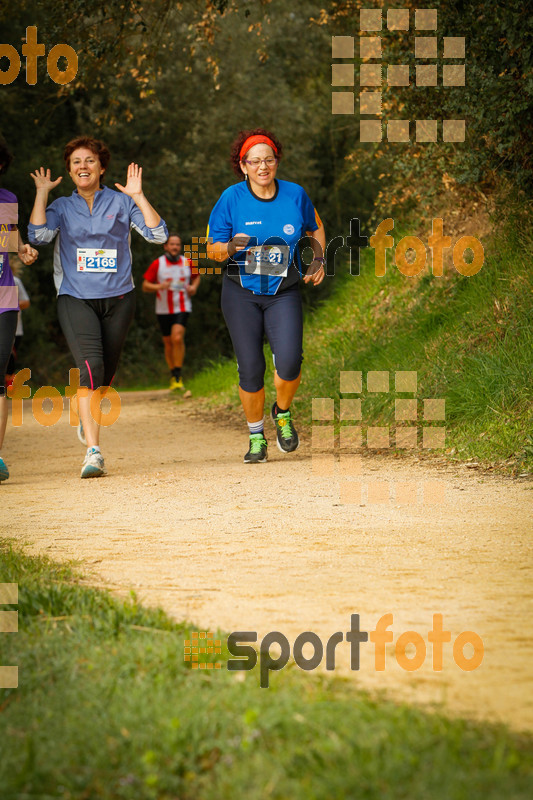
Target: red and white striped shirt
[{"x": 175, "y": 299}]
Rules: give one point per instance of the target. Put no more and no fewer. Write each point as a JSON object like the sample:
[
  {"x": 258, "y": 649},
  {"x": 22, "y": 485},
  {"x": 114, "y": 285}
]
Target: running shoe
[
  {"x": 257, "y": 454},
  {"x": 287, "y": 438},
  {"x": 175, "y": 384},
  {"x": 4, "y": 472},
  {"x": 93, "y": 465},
  {"x": 81, "y": 433}
]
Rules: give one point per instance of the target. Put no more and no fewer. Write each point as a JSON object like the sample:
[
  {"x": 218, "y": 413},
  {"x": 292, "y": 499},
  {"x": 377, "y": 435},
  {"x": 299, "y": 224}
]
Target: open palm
[
  {"x": 43, "y": 179},
  {"x": 134, "y": 181}
]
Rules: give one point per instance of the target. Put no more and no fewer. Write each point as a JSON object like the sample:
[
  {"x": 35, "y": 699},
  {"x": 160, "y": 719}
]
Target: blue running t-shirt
[{"x": 276, "y": 224}]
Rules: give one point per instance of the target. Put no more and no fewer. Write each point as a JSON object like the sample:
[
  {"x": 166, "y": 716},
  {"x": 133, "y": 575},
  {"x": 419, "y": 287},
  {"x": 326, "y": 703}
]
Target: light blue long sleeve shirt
[{"x": 108, "y": 227}]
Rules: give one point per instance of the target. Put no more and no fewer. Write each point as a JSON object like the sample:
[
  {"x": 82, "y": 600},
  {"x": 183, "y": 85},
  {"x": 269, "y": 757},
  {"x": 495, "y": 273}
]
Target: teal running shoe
[
  {"x": 4, "y": 472},
  {"x": 257, "y": 454}
]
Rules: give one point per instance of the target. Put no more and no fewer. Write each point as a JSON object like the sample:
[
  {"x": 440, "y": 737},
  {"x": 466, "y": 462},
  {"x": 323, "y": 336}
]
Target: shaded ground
[{"x": 182, "y": 521}]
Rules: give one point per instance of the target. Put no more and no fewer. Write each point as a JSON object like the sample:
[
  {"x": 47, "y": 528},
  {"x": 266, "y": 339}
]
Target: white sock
[
  {"x": 94, "y": 449},
  {"x": 256, "y": 427}
]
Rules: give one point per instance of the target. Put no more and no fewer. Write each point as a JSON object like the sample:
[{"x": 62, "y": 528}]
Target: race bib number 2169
[{"x": 89, "y": 260}]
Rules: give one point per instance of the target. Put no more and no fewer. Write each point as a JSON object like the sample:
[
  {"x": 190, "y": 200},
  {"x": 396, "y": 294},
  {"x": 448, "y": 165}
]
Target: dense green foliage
[{"x": 107, "y": 709}]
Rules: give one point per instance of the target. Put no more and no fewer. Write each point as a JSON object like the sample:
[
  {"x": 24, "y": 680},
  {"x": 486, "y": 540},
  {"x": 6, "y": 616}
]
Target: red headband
[{"x": 257, "y": 139}]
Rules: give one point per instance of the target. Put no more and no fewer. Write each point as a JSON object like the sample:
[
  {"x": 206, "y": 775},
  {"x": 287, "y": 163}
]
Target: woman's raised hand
[
  {"x": 133, "y": 185},
  {"x": 43, "y": 180}
]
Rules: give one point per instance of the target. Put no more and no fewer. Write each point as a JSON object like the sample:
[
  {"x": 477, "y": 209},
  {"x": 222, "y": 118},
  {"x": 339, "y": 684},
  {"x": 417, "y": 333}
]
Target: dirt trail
[{"x": 184, "y": 523}]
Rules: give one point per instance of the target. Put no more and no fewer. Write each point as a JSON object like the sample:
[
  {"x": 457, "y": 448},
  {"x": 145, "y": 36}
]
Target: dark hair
[
  {"x": 240, "y": 140},
  {"x": 94, "y": 145},
  {"x": 6, "y": 157},
  {"x": 173, "y": 233}
]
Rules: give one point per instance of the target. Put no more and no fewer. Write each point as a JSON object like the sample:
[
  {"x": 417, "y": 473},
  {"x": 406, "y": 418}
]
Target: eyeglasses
[{"x": 270, "y": 161}]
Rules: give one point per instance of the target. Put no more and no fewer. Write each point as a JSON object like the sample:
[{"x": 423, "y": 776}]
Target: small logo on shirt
[
  {"x": 288, "y": 228},
  {"x": 109, "y": 216},
  {"x": 254, "y": 222}
]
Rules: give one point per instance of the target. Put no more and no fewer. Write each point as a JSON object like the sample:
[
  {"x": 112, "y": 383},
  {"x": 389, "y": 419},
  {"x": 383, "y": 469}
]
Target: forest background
[{"x": 169, "y": 84}]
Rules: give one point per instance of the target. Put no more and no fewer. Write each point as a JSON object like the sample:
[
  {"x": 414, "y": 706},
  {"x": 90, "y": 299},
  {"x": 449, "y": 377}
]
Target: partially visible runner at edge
[
  {"x": 175, "y": 280},
  {"x": 9, "y": 305},
  {"x": 260, "y": 292},
  {"x": 92, "y": 270}
]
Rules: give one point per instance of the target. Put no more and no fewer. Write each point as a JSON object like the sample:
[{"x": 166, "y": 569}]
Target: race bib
[
  {"x": 267, "y": 259},
  {"x": 179, "y": 284},
  {"x": 96, "y": 260}
]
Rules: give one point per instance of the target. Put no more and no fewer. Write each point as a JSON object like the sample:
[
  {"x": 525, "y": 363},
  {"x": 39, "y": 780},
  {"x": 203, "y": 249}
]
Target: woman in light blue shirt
[{"x": 92, "y": 270}]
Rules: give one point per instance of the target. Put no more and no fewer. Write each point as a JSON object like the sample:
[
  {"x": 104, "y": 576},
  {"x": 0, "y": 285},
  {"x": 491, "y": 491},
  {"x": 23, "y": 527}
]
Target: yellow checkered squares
[
  {"x": 351, "y": 382},
  {"x": 426, "y": 19},
  {"x": 434, "y": 492},
  {"x": 370, "y": 47},
  {"x": 398, "y": 19},
  {"x": 342, "y": 75},
  {"x": 453, "y": 75},
  {"x": 426, "y": 130},
  {"x": 398, "y": 130},
  {"x": 377, "y": 381},
  {"x": 405, "y": 409},
  {"x": 370, "y": 19},
  {"x": 194, "y": 253},
  {"x": 350, "y": 408},
  {"x": 202, "y": 643},
  {"x": 426, "y": 75},
  {"x": 351, "y": 437},
  {"x": 342, "y": 103},
  {"x": 9, "y": 593},
  {"x": 453, "y": 130},
  {"x": 370, "y": 130},
  {"x": 426, "y": 47},
  {"x": 398, "y": 75},
  {"x": 435, "y": 409},
  {"x": 342, "y": 47},
  {"x": 454, "y": 47},
  {"x": 377, "y": 438},
  {"x": 344, "y": 460},
  {"x": 370, "y": 75},
  {"x": 8, "y": 624},
  {"x": 370, "y": 102},
  {"x": 323, "y": 437},
  {"x": 405, "y": 381},
  {"x": 323, "y": 408}
]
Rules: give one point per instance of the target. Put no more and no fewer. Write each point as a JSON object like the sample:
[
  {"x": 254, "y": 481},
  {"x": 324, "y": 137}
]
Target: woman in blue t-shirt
[{"x": 257, "y": 224}]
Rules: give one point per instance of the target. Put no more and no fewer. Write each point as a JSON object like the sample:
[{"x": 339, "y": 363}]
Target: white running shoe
[{"x": 93, "y": 465}]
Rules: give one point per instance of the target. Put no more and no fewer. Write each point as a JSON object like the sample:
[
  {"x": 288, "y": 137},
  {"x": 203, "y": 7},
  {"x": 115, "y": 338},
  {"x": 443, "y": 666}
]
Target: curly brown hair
[
  {"x": 240, "y": 140},
  {"x": 94, "y": 145}
]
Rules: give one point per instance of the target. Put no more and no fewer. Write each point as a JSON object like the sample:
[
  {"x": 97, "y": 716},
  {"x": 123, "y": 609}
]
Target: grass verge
[{"x": 107, "y": 709}]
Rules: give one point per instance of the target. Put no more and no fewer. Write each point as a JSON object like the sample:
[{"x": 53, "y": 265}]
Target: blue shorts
[{"x": 249, "y": 318}]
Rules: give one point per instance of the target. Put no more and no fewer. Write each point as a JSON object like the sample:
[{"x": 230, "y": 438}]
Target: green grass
[
  {"x": 470, "y": 340},
  {"x": 106, "y": 709}
]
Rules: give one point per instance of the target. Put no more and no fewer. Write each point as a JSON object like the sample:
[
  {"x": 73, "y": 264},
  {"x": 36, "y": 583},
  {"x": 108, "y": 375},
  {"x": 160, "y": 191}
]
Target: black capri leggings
[
  {"x": 249, "y": 317},
  {"x": 8, "y": 326},
  {"x": 96, "y": 331}
]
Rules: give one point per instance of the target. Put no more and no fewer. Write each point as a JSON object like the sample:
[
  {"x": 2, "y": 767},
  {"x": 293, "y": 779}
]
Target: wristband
[{"x": 320, "y": 258}]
